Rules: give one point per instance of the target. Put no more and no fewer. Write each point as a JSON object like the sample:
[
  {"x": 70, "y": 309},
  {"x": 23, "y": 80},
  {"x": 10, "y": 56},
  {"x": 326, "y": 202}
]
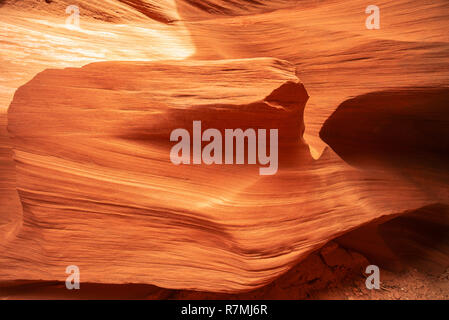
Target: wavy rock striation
[{"x": 91, "y": 148}]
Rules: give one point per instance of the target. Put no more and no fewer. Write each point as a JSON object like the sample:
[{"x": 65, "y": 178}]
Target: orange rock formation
[{"x": 86, "y": 177}]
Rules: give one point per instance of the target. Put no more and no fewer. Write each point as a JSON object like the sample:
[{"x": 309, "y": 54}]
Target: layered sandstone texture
[
  {"x": 86, "y": 115},
  {"x": 98, "y": 189}
]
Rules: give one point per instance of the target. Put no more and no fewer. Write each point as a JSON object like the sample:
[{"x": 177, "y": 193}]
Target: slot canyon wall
[{"x": 86, "y": 178}]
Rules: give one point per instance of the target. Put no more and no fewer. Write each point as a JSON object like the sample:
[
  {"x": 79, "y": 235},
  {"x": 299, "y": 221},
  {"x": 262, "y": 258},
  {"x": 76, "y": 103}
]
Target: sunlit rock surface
[
  {"x": 85, "y": 176},
  {"x": 92, "y": 145}
]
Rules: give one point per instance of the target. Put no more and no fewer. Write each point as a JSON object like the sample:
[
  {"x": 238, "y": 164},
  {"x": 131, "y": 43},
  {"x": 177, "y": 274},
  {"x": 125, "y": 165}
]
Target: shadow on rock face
[
  {"x": 417, "y": 239},
  {"x": 401, "y": 128}
]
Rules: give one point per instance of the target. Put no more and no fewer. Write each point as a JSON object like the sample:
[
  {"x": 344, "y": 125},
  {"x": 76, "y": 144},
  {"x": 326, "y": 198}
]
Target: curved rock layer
[
  {"x": 403, "y": 131},
  {"x": 418, "y": 239},
  {"x": 91, "y": 144},
  {"x": 11, "y": 209},
  {"x": 44, "y": 35},
  {"x": 98, "y": 189},
  {"x": 160, "y": 10},
  {"x": 336, "y": 56}
]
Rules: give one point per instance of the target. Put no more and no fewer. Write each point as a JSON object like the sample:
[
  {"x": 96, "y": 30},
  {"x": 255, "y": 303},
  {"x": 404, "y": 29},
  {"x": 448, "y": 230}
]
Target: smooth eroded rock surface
[{"x": 91, "y": 149}]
